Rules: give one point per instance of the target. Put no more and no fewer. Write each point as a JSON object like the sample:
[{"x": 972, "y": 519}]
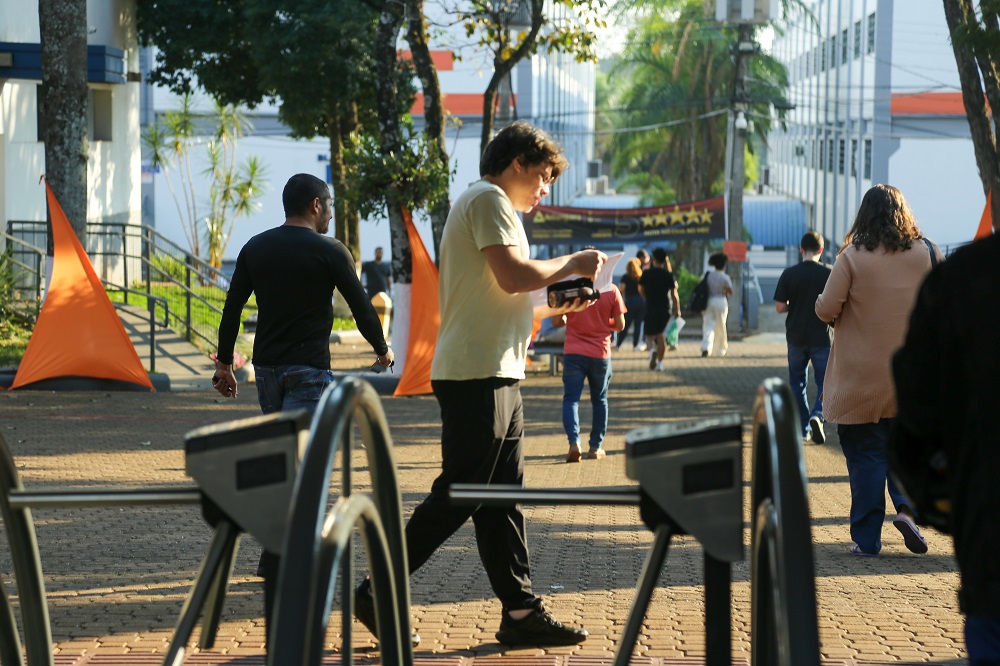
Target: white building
[
  {"x": 113, "y": 114},
  {"x": 552, "y": 91},
  {"x": 878, "y": 100}
]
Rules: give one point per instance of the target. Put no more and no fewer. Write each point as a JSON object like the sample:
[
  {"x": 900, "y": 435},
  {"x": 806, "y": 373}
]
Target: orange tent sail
[
  {"x": 78, "y": 332},
  {"x": 986, "y": 221},
  {"x": 425, "y": 317}
]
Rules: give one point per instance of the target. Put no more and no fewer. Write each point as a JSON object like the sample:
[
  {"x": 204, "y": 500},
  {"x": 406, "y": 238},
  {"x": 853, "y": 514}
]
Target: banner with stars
[{"x": 695, "y": 220}]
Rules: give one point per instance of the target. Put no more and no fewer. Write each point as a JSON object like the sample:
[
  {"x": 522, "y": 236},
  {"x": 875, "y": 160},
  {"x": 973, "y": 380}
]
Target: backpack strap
[{"x": 930, "y": 248}]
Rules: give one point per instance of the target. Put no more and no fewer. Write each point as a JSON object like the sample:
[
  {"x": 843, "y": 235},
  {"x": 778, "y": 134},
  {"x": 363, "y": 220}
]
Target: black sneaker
[
  {"x": 816, "y": 428},
  {"x": 364, "y": 611},
  {"x": 538, "y": 629}
]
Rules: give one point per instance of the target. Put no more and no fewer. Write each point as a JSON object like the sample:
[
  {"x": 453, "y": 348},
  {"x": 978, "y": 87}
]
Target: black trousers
[{"x": 481, "y": 442}]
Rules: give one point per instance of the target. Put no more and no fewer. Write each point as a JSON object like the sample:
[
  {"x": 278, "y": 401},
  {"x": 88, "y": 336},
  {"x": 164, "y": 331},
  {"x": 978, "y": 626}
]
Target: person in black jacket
[
  {"x": 947, "y": 388},
  {"x": 293, "y": 269},
  {"x": 808, "y": 338}
]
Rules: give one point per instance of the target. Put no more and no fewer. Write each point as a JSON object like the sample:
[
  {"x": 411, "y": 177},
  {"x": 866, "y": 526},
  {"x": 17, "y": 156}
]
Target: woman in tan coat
[{"x": 868, "y": 298}]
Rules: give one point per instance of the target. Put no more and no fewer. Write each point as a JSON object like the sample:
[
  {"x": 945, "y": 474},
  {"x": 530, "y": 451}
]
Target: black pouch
[{"x": 561, "y": 293}]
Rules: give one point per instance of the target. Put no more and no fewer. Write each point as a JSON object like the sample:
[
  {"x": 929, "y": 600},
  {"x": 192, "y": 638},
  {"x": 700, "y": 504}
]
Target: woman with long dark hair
[
  {"x": 634, "y": 302},
  {"x": 659, "y": 289},
  {"x": 868, "y": 298}
]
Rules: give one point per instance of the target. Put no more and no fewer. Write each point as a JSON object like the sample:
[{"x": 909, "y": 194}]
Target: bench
[{"x": 553, "y": 352}]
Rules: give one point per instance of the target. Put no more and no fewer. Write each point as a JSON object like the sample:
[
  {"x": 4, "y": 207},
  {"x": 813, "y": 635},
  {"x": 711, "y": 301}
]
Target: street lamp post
[{"x": 745, "y": 47}]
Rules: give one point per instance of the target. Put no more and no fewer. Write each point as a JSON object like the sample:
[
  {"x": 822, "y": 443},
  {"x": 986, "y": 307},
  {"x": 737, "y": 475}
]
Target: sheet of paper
[{"x": 539, "y": 297}]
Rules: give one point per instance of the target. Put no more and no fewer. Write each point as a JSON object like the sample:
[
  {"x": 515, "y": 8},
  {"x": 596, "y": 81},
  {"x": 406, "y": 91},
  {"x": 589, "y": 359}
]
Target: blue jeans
[
  {"x": 288, "y": 387},
  {"x": 598, "y": 374},
  {"x": 982, "y": 640},
  {"x": 864, "y": 447},
  {"x": 798, "y": 379}
]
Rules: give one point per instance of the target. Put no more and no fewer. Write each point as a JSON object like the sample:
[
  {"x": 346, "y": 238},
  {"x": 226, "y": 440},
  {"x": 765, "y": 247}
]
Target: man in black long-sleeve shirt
[{"x": 293, "y": 269}]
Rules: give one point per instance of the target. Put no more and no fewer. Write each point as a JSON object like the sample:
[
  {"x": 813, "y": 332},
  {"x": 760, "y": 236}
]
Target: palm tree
[{"x": 675, "y": 79}]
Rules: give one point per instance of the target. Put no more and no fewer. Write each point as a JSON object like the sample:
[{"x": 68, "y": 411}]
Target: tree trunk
[
  {"x": 349, "y": 125},
  {"x": 341, "y": 231},
  {"x": 391, "y": 136},
  {"x": 502, "y": 68},
  {"x": 962, "y": 25},
  {"x": 63, "y": 28},
  {"x": 416, "y": 37}
]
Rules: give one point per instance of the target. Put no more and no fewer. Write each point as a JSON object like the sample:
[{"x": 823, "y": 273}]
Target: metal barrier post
[
  {"x": 784, "y": 626},
  {"x": 312, "y": 544},
  {"x": 690, "y": 482},
  {"x": 27, "y": 567},
  {"x": 10, "y": 642}
]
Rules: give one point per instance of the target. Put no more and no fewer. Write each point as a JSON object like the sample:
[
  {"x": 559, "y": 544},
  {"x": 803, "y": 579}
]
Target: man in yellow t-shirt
[{"x": 486, "y": 275}]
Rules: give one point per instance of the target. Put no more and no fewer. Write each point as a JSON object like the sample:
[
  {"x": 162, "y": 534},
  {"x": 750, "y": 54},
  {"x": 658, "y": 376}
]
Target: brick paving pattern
[{"x": 117, "y": 578}]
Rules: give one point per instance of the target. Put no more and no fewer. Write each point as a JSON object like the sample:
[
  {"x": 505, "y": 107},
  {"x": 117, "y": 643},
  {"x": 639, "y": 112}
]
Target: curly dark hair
[
  {"x": 884, "y": 219},
  {"x": 522, "y": 140}
]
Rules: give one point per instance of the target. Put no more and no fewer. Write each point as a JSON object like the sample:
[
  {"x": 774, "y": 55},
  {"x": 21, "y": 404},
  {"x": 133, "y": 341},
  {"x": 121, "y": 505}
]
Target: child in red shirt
[{"x": 587, "y": 354}]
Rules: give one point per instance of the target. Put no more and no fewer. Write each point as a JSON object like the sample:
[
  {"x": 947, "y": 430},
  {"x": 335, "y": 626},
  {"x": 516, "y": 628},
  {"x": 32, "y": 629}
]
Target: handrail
[
  {"x": 302, "y": 599},
  {"x": 151, "y": 302},
  {"x": 195, "y": 269},
  {"x": 783, "y": 618}
]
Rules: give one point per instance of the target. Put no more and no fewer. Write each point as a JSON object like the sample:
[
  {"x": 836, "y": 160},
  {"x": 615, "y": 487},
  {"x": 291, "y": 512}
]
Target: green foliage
[
  {"x": 235, "y": 190},
  {"x": 415, "y": 177},
  {"x": 15, "y": 320},
  {"x": 567, "y": 28},
  {"x": 686, "y": 281},
  {"x": 165, "y": 265},
  {"x": 654, "y": 191}
]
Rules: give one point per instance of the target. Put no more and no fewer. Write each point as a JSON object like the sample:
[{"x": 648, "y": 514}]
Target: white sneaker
[
  {"x": 642, "y": 347},
  {"x": 659, "y": 365},
  {"x": 816, "y": 430}
]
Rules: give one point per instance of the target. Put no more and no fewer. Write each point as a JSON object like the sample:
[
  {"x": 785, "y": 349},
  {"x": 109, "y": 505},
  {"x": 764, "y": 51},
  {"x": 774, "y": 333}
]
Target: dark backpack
[{"x": 699, "y": 296}]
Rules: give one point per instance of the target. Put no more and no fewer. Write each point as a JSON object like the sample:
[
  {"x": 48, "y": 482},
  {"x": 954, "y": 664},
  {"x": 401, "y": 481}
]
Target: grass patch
[{"x": 13, "y": 341}]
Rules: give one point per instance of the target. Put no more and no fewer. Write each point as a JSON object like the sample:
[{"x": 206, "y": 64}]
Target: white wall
[
  {"x": 113, "y": 166},
  {"x": 947, "y": 202}
]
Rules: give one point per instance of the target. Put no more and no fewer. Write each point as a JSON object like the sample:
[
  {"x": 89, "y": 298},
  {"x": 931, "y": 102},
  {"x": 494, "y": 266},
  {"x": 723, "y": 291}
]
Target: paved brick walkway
[{"x": 117, "y": 577}]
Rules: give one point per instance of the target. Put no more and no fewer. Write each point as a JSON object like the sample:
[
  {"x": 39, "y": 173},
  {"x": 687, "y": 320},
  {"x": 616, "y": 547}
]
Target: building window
[
  {"x": 857, "y": 39},
  {"x": 39, "y": 115},
  {"x": 822, "y": 56},
  {"x": 868, "y": 159},
  {"x": 871, "y": 33},
  {"x": 843, "y": 47},
  {"x": 815, "y": 60},
  {"x": 833, "y": 51},
  {"x": 854, "y": 158},
  {"x": 840, "y": 157},
  {"x": 822, "y": 155},
  {"x": 99, "y": 115},
  {"x": 829, "y": 155}
]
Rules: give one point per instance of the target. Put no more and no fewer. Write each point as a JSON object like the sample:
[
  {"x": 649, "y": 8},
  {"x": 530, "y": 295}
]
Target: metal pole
[
  {"x": 151, "y": 306},
  {"x": 187, "y": 298},
  {"x": 718, "y": 604},
  {"x": 744, "y": 49}
]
